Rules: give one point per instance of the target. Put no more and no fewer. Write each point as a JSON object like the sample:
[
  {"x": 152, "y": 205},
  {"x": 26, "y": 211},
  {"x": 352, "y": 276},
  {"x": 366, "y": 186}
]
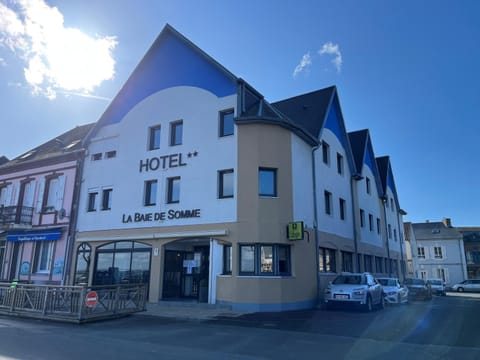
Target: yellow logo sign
[{"x": 295, "y": 230}]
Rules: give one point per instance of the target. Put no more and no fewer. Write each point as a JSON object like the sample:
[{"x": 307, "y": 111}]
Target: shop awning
[{"x": 35, "y": 235}]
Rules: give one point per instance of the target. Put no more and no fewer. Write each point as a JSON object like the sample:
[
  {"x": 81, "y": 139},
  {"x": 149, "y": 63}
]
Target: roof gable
[
  {"x": 318, "y": 110},
  {"x": 171, "y": 61},
  {"x": 308, "y": 110},
  {"x": 386, "y": 177},
  {"x": 363, "y": 154}
]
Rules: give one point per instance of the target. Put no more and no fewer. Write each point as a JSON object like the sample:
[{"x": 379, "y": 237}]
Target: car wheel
[
  {"x": 460, "y": 289},
  {"x": 368, "y": 305}
]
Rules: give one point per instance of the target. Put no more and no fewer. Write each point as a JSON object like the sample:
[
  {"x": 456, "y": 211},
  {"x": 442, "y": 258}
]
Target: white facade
[
  {"x": 329, "y": 179},
  {"x": 129, "y": 139},
  {"x": 369, "y": 202},
  {"x": 438, "y": 252}
]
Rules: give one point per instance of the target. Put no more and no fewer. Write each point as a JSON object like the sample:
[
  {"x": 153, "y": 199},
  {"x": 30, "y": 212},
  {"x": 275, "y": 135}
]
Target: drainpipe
[
  {"x": 353, "y": 183},
  {"x": 315, "y": 221},
  {"x": 73, "y": 220},
  {"x": 402, "y": 242},
  {"x": 384, "y": 201}
]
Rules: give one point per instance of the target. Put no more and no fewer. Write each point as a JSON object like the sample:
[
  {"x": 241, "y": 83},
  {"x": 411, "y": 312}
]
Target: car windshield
[
  {"x": 350, "y": 279},
  {"x": 414, "y": 281},
  {"x": 435, "y": 282},
  {"x": 387, "y": 282}
]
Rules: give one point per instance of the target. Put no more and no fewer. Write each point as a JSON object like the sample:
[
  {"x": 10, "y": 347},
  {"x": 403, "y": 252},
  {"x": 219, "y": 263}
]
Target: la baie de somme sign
[
  {"x": 161, "y": 163},
  {"x": 161, "y": 216}
]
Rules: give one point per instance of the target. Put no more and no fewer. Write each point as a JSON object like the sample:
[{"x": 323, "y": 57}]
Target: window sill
[{"x": 42, "y": 272}]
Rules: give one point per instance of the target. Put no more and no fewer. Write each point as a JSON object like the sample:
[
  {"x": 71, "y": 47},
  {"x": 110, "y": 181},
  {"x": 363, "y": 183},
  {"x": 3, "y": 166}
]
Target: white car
[
  {"x": 393, "y": 291},
  {"x": 355, "y": 289}
]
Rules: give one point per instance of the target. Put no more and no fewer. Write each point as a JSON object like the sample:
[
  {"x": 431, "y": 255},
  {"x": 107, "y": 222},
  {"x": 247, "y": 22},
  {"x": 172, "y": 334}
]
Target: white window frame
[{"x": 41, "y": 247}]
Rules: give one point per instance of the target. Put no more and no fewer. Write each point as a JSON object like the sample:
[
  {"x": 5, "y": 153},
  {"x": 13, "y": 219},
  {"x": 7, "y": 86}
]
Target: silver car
[
  {"x": 394, "y": 292},
  {"x": 438, "y": 286},
  {"x": 355, "y": 289},
  {"x": 467, "y": 285}
]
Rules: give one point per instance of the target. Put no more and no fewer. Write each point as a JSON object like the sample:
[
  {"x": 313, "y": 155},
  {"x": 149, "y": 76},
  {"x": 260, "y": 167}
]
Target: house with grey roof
[
  {"x": 437, "y": 250},
  {"x": 38, "y": 194}
]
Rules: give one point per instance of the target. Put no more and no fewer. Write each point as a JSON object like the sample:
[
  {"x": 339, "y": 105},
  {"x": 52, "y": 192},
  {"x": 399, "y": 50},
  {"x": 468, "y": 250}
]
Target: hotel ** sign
[{"x": 165, "y": 161}]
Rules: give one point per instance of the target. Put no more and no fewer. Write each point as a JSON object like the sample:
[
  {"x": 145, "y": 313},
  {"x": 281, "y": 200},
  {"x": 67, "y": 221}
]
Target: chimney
[{"x": 447, "y": 222}]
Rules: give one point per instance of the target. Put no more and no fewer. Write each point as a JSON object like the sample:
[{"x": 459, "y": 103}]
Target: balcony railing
[{"x": 16, "y": 215}]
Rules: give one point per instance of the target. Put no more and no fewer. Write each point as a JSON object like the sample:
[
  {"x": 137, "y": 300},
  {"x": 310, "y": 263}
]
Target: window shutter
[
  {"x": 8, "y": 195},
  {"x": 444, "y": 252},
  {"x": 40, "y": 192},
  {"x": 28, "y": 194},
  {"x": 60, "y": 193},
  {"x": 426, "y": 250},
  {"x": 16, "y": 194}
]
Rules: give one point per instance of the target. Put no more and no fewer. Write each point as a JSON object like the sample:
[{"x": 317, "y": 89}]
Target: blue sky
[{"x": 406, "y": 70}]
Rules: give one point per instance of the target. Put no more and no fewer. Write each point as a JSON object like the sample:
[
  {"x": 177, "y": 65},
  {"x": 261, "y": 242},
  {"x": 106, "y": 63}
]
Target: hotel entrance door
[{"x": 185, "y": 274}]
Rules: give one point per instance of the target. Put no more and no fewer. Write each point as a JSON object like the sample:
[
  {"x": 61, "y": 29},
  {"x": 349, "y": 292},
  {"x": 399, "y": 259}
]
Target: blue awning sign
[{"x": 35, "y": 235}]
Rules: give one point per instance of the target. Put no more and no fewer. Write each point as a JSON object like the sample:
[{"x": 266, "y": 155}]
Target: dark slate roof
[
  {"x": 358, "y": 143},
  {"x": 66, "y": 143},
  {"x": 253, "y": 108},
  {"x": 308, "y": 110},
  {"x": 434, "y": 231},
  {"x": 382, "y": 164},
  {"x": 3, "y": 160}
]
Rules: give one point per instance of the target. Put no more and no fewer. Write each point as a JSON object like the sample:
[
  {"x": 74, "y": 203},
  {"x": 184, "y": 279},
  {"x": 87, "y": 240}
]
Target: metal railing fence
[{"x": 71, "y": 303}]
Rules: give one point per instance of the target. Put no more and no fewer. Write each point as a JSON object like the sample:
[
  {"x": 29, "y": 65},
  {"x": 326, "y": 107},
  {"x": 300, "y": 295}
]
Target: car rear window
[
  {"x": 350, "y": 279},
  {"x": 387, "y": 282}
]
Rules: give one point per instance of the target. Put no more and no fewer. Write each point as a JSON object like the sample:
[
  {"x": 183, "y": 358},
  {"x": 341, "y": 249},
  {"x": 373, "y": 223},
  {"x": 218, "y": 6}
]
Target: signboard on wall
[{"x": 295, "y": 230}]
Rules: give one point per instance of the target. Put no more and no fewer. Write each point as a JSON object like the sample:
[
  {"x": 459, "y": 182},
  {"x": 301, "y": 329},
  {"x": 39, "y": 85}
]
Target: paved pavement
[
  {"x": 199, "y": 311},
  {"x": 189, "y": 310}
]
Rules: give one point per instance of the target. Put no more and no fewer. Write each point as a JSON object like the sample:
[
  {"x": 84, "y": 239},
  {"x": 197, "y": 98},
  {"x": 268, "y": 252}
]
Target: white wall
[
  {"x": 199, "y": 111},
  {"x": 302, "y": 182},
  {"x": 453, "y": 259},
  {"x": 392, "y": 219},
  {"x": 328, "y": 179},
  {"x": 371, "y": 204}
]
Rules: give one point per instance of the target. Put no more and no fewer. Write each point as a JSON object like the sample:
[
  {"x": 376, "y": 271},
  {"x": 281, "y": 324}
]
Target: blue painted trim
[
  {"x": 170, "y": 62},
  {"x": 333, "y": 123},
  {"x": 35, "y": 235},
  {"x": 269, "y": 307}
]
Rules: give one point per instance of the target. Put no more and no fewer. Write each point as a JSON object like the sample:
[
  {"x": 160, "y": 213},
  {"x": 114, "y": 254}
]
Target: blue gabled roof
[
  {"x": 171, "y": 61},
  {"x": 363, "y": 154}
]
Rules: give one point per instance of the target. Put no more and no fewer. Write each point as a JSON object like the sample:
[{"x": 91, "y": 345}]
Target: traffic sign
[{"x": 91, "y": 299}]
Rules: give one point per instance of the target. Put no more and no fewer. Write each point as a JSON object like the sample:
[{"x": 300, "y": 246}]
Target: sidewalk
[{"x": 189, "y": 310}]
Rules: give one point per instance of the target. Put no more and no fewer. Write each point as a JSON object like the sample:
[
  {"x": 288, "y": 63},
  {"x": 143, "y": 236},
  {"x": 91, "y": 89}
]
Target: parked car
[
  {"x": 393, "y": 291},
  {"x": 418, "y": 289},
  {"x": 470, "y": 285},
  {"x": 437, "y": 286},
  {"x": 355, "y": 289}
]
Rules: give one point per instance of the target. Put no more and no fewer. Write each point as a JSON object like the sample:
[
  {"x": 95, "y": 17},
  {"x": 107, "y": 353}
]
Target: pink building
[{"x": 37, "y": 212}]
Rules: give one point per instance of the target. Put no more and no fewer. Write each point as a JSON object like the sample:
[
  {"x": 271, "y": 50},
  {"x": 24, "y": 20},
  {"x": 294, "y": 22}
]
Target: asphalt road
[{"x": 445, "y": 328}]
